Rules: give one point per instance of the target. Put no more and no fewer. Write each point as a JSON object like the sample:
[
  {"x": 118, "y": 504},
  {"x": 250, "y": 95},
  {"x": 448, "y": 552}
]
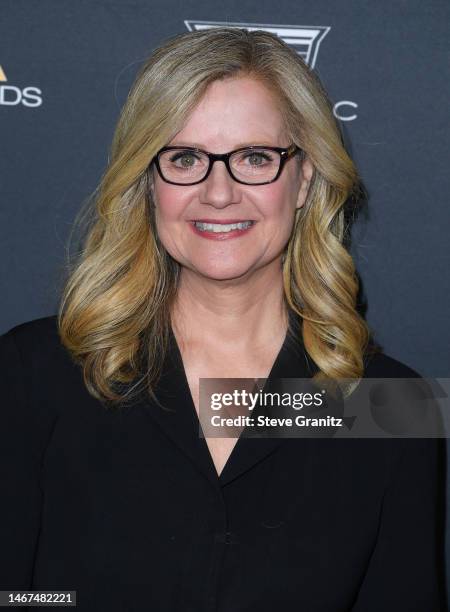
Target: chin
[{"x": 223, "y": 273}]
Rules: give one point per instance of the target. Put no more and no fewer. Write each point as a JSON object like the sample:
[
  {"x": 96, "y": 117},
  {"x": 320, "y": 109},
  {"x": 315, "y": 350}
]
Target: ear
[{"x": 306, "y": 173}]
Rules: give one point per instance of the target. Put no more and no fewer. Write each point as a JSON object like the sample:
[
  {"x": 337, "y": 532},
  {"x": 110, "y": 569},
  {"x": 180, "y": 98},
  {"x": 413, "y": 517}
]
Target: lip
[
  {"x": 209, "y": 235},
  {"x": 221, "y": 221}
]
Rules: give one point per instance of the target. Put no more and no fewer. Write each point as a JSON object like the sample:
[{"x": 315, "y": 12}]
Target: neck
[{"x": 242, "y": 313}]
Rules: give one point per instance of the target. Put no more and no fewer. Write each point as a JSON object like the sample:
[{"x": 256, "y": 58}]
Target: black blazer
[{"x": 127, "y": 509}]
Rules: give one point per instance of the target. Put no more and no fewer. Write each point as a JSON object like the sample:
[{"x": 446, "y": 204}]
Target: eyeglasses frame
[{"x": 285, "y": 154}]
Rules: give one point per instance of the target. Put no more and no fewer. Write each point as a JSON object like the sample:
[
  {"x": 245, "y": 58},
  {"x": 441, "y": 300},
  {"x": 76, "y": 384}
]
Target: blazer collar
[{"x": 180, "y": 422}]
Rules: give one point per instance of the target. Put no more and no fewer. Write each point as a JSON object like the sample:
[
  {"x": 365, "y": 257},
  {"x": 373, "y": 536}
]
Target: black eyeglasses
[{"x": 255, "y": 165}]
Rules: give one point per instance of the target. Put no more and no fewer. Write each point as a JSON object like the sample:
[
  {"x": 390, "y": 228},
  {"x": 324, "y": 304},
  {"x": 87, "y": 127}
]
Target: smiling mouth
[{"x": 222, "y": 227}]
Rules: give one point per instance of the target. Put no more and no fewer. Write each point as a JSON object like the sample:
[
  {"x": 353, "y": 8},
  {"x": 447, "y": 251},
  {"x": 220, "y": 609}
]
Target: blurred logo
[
  {"x": 305, "y": 40},
  {"x": 12, "y": 95}
]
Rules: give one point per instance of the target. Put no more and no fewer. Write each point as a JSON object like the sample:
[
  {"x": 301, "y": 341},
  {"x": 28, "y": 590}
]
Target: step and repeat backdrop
[{"x": 66, "y": 67}]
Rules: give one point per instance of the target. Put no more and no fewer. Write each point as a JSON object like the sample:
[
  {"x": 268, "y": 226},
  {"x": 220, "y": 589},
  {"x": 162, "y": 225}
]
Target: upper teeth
[{"x": 221, "y": 227}]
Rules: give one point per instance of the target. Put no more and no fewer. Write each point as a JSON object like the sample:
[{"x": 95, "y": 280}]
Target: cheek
[
  {"x": 276, "y": 203},
  {"x": 167, "y": 211},
  {"x": 169, "y": 207},
  {"x": 278, "y": 209}
]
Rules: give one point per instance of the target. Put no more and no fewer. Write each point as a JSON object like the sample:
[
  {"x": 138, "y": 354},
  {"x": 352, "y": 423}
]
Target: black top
[{"x": 127, "y": 509}]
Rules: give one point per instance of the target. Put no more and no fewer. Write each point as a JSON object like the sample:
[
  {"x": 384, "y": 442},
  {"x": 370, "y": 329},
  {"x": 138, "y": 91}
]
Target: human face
[{"x": 232, "y": 113}]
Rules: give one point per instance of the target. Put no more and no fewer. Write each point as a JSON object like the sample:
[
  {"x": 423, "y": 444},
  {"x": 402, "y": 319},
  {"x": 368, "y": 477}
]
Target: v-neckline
[
  {"x": 175, "y": 415},
  {"x": 282, "y": 366}
]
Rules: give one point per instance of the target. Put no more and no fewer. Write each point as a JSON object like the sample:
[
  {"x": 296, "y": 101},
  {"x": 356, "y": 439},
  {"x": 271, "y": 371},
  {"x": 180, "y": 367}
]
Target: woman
[{"x": 209, "y": 259}]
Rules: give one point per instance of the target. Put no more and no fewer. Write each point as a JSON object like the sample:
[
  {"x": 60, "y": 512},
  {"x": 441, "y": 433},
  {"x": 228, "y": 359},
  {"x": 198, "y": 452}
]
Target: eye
[
  {"x": 257, "y": 158},
  {"x": 186, "y": 158}
]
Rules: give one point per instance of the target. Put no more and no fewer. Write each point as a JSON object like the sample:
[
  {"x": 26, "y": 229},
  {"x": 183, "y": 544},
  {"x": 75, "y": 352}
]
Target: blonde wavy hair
[{"x": 114, "y": 314}]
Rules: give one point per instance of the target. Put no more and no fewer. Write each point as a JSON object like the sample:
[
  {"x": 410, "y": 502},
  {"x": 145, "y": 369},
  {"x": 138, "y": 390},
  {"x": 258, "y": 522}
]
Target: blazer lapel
[
  {"x": 180, "y": 422},
  {"x": 178, "y": 419},
  {"x": 292, "y": 362}
]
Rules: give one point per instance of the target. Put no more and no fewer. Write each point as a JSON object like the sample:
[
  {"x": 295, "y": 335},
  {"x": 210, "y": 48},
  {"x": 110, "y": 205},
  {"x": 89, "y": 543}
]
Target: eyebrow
[{"x": 250, "y": 143}]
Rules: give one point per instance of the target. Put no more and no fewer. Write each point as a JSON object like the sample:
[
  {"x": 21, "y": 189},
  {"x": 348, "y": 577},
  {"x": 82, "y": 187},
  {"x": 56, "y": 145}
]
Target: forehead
[{"x": 234, "y": 112}]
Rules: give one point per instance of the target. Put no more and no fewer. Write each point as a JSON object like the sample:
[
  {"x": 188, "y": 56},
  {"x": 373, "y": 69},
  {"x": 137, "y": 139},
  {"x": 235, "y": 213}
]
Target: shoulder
[
  {"x": 413, "y": 454},
  {"x": 36, "y": 340},
  {"x": 34, "y": 352},
  {"x": 42, "y": 390},
  {"x": 27, "y": 334},
  {"x": 380, "y": 365}
]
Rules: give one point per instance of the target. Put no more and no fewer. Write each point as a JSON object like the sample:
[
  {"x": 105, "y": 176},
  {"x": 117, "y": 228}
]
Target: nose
[{"x": 219, "y": 189}]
